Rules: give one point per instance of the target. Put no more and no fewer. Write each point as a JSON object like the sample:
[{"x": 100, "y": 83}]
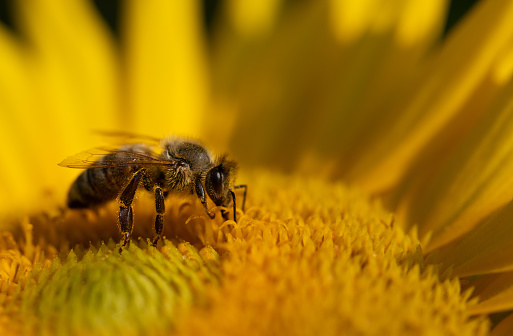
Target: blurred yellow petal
[
  {"x": 504, "y": 328},
  {"x": 495, "y": 293},
  {"x": 438, "y": 94},
  {"x": 419, "y": 20},
  {"x": 166, "y": 78},
  {"x": 385, "y": 65},
  {"x": 503, "y": 69},
  {"x": 75, "y": 68},
  {"x": 412, "y": 20},
  {"x": 252, "y": 18},
  {"x": 350, "y": 19},
  {"x": 489, "y": 285},
  {"x": 71, "y": 67},
  {"x": 320, "y": 96},
  {"x": 16, "y": 174},
  {"x": 454, "y": 192},
  {"x": 52, "y": 81},
  {"x": 486, "y": 249},
  {"x": 260, "y": 84}
]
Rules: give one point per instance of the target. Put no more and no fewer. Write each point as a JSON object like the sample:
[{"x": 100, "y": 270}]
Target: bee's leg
[
  {"x": 225, "y": 213},
  {"x": 159, "y": 220},
  {"x": 243, "y": 196},
  {"x": 126, "y": 221},
  {"x": 200, "y": 192},
  {"x": 126, "y": 216}
]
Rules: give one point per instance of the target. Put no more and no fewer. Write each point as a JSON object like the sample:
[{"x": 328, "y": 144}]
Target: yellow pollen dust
[{"x": 307, "y": 257}]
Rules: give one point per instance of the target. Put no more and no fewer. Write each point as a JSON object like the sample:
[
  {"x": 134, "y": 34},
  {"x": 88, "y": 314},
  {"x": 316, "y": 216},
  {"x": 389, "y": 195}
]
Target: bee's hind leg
[
  {"x": 159, "y": 220},
  {"x": 126, "y": 215}
]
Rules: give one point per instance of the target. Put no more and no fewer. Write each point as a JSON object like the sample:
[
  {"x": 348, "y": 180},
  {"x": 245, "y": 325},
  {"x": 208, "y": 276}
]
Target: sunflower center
[{"x": 306, "y": 257}]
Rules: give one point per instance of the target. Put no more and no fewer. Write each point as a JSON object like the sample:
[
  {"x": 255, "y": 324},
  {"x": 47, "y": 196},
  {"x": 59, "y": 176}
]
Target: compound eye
[{"x": 215, "y": 184}]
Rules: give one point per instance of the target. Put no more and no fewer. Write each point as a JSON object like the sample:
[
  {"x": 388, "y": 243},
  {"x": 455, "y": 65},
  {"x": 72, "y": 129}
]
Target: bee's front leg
[
  {"x": 225, "y": 213},
  {"x": 200, "y": 192},
  {"x": 232, "y": 194},
  {"x": 126, "y": 215},
  {"x": 245, "y": 187}
]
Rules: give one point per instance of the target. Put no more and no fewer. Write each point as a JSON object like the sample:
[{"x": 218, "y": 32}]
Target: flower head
[{"x": 389, "y": 147}]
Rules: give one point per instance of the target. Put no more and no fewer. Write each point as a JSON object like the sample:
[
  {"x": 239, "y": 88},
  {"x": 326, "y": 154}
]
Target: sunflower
[{"x": 377, "y": 153}]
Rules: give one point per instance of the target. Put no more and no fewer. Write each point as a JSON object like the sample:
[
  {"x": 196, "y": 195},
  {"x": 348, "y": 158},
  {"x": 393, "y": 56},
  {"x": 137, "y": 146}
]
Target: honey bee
[{"x": 172, "y": 165}]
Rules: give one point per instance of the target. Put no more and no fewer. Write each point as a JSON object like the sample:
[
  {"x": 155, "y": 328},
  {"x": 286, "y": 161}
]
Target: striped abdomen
[{"x": 98, "y": 185}]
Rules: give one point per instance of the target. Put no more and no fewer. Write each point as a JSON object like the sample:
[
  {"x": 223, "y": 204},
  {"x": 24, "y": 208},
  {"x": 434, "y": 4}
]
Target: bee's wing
[
  {"x": 116, "y": 158},
  {"x": 122, "y": 137}
]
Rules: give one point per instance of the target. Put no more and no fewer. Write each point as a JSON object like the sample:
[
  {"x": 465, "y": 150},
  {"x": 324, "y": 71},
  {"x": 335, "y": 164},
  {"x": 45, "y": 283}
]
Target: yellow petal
[
  {"x": 252, "y": 18},
  {"x": 260, "y": 79},
  {"x": 71, "y": 67},
  {"x": 495, "y": 292},
  {"x": 57, "y": 88},
  {"x": 386, "y": 64},
  {"x": 166, "y": 83},
  {"x": 486, "y": 249},
  {"x": 412, "y": 20},
  {"x": 503, "y": 69},
  {"x": 419, "y": 20},
  {"x": 462, "y": 64},
  {"x": 463, "y": 182},
  {"x": 350, "y": 19},
  {"x": 314, "y": 95},
  {"x": 75, "y": 68},
  {"x": 504, "y": 328},
  {"x": 17, "y": 129}
]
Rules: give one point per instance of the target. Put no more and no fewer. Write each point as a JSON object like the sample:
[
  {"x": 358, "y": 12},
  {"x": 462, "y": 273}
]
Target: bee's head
[{"x": 218, "y": 181}]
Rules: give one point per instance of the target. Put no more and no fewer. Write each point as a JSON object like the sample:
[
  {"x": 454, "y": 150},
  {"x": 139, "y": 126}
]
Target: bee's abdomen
[{"x": 97, "y": 185}]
